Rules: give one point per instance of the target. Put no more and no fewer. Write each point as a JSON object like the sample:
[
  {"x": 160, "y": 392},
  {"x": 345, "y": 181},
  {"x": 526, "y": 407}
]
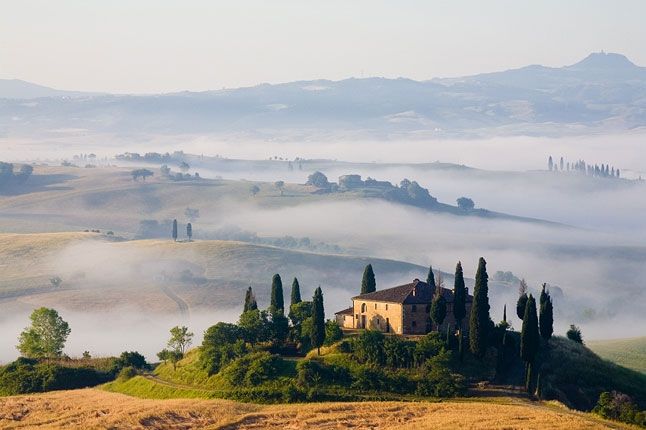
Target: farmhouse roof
[{"x": 416, "y": 292}]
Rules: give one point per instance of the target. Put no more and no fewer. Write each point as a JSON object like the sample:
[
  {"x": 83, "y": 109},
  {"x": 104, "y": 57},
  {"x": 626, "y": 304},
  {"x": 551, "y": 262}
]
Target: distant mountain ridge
[{"x": 602, "y": 91}]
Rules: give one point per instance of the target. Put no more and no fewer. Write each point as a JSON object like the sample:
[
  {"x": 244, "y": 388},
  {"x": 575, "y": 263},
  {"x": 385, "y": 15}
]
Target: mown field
[
  {"x": 94, "y": 409},
  {"x": 630, "y": 353}
]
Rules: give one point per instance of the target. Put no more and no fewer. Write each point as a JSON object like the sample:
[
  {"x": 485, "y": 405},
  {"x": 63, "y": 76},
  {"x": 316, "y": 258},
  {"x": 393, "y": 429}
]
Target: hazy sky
[{"x": 158, "y": 46}]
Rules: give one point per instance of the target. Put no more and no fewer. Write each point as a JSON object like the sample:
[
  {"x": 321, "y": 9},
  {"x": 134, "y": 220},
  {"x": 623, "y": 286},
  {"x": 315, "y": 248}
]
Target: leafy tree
[
  {"x": 46, "y": 336},
  {"x": 521, "y": 304},
  {"x": 295, "y": 296},
  {"x": 222, "y": 343},
  {"x": 318, "y": 180},
  {"x": 170, "y": 355},
  {"x": 254, "y": 189},
  {"x": 369, "y": 347},
  {"x": 180, "y": 339},
  {"x": 56, "y": 281},
  {"x": 143, "y": 173},
  {"x": 255, "y": 326},
  {"x": 465, "y": 203},
  {"x": 529, "y": 337},
  {"x": 280, "y": 185},
  {"x": 278, "y": 327},
  {"x": 131, "y": 359},
  {"x": 189, "y": 231},
  {"x": 479, "y": 320},
  {"x": 368, "y": 282},
  {"x": 546, "y": 315},
  {"x": 298, "y": 314},
  {"x": 277, "y": 301},
  {"x": 574, "y": 333},
  {"x": 459, "y": 296},
  {"x": 184, "y": 167},
  {"x": 438, "y": 308},
  {"x": 250, "y": 301},
  {"x": 318, "y": 315},
  {"x": 175, "y": 230},
  {"x": 333, "y": 332},
  {"x": 430, "y": 278}
]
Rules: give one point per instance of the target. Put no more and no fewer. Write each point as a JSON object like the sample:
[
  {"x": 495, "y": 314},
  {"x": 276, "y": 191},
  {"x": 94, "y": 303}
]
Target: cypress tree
[
  {"x": 479, "y": 320},
  {"x": 546, "y": 316},
  {"x": 459, "y": 297},
  {"x": 189, "y": 231},
  {"x": 175, "y": 230},
  {"x": 504, "y": 313},
  {"x": 295, "y": 296},
  {"x": 368, "y": 283},
  {"x": 521, "y": 304},
  {"x": 250, "y": 301},
  {"x": 430, "y": 278},
  {"x": 318, "y": 315},
  {"x": 277, "y": 302},
  {"x": 438, "y": 309},
  {"x": 529, "y": 338}
]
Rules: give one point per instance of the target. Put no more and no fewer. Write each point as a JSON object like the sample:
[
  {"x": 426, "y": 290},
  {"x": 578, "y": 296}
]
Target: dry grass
[{"x": 93, "y": 409}]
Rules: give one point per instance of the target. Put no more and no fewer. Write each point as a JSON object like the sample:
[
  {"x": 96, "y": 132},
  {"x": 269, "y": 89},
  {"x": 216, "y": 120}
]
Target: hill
[
  {"x": 91, "y": 408},
  {"x": 630, "y": 353},
  {"x": 600, "y": 92}
]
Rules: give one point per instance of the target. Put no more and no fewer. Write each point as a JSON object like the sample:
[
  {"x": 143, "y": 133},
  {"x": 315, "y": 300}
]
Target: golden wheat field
[{"x": 96, "y": 409}]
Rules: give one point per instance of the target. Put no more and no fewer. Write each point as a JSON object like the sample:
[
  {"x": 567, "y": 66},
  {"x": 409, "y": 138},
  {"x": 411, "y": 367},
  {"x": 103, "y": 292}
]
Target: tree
[
  {"x": 250, "y": 301},
  {"x": 333, "y": 332},
  {"x": 550, "y": 163},
  {"x": 430, "y": 278},
  {"x": 277, "y": 301},
  {"x": 459, "y": 296},
  {"x": 574, "y": 334},
  {"x": 546, "y": 315},
  {"x": 144, "y": 173},
  {"x": 521, "y": 304},
  {"x": 438, "y": 308},
  {"x": 465, "y": 203},
  {"x": 46, "y": 336},
  {"x": 254, "y": 189},
  {"x": 184, "y": 167},
  {"x": 529, "y": 338},
  {"x": 368, "y": 282},
  {"x": 280, "y": 185},
  {"x": 180, "y": 339},
  {"x": 255, "y": 326},
  {"x": 175, "y": 230},
  {"x": 295, "y": 296},
  {"x": 561, "y": 162},
  {"x": 189, "y": 231},
  {"x": 479, "y": 320},
  {"x": 318, "y": 180},
  {"x": 56, "y": 281},
  {"x": 318, "y": 315}
]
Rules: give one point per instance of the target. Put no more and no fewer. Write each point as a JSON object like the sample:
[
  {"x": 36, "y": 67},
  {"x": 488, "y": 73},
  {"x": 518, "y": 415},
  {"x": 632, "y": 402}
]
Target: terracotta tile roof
[
  {"x": 345, "y": 311},
  {"x": 416, "y": 292}
]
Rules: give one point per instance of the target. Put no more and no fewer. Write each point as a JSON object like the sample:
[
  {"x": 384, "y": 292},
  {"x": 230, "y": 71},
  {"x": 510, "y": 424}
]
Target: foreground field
[{"x": 92, "y": 408}]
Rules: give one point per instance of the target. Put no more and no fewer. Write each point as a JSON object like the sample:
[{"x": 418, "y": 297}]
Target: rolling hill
[{"x": 629, "y": 353}]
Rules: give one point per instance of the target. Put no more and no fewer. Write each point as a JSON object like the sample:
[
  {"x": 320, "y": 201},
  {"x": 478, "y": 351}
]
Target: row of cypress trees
[{"x": 277, "y": 306}]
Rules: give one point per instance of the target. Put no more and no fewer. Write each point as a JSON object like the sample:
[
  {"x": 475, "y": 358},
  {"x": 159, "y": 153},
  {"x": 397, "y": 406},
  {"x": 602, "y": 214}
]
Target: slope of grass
[
  {"x": 630, "y": 353},
  {"x": 91, "y": 408}
]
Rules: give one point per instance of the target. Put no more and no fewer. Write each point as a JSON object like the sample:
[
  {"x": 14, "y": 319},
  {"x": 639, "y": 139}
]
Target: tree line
[{"x": 581, "y": 167}]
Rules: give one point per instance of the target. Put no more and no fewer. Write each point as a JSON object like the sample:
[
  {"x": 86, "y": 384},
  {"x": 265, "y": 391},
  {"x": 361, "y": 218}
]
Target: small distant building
[
  {"x": 404, "y": 309},
  {"x": 350, "y": 181}
]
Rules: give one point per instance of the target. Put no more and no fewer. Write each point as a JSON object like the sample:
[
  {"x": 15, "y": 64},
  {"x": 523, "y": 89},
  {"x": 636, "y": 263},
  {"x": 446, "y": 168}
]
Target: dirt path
[{"x": 181, "y": 304}]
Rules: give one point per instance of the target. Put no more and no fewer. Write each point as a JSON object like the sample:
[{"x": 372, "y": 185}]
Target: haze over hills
[{"x": 603, "y": 91}]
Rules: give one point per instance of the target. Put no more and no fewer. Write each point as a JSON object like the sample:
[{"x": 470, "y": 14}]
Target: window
[
  {"x": 363, "y": 307},
  {"x": 414, "y": 308},
  {"x": 387, "y": 325},
  {"x": 375, "y": 305},
  {"x": 386, "y": 306},
  {"x": 414, "y": 323}
]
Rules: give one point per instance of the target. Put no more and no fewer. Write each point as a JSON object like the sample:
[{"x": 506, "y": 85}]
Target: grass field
[
  {"x": 93, "y": 409},
  {"x": 630, "y": 353}
]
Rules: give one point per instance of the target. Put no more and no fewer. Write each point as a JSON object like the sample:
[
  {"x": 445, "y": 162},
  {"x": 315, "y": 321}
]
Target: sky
[{"x": 151, "y": 46}]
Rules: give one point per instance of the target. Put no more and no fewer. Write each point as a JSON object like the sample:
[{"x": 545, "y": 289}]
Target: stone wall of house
[{"x": 386, "y": 317}]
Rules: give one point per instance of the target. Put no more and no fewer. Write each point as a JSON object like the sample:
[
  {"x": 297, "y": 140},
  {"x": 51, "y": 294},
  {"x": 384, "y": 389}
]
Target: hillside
[
  {"x": 91, "y": 408},
  {"x": 600, "y": 92},
  {"x": 630, "y": 353}
]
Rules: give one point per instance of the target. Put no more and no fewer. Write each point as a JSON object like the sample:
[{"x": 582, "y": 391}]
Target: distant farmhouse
[{"x": 399, "y": 310}]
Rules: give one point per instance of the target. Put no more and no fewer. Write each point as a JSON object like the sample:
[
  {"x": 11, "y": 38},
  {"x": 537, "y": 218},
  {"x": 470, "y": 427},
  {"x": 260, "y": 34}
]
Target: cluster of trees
[
  {"x": 152, "y": 157},
  {"x": 621, "y": 407},
  {"x": 580, "y": 166},
  {"x": 167, "y": 173},
  {"x": 10, "y": 177},
  {"x": 141, "y": 173},
  {"x": 180, "y": 339}
]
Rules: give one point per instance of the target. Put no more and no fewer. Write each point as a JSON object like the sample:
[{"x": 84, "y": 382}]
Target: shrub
[
  {"x": 618, "y": 406},
  {"x": 333, "y": 332},
  {"x": 127, "y": 373},
  {"x": 574, "y": 333},
  {"x": 369, "y": 347},
  {"x": 437, "y": 379},
  {"x": 251, "y": 370},
  {"x": 132, "y": 359},
  {"x": 366, "y": 378}
]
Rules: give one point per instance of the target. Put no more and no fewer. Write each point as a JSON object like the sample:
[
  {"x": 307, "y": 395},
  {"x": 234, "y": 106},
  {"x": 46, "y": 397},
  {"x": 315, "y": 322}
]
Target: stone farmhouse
[{"x": 399, "y": 310}]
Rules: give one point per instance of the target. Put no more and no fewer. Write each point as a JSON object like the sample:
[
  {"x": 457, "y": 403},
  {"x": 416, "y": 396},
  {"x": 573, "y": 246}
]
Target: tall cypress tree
[
  {"x": 546, "y": 316},
  {"x": 529, "y": 338},
  {"x": 250, "y": 301},
  {"x": 504, "y": 313},
  {"x": 438, "y": 309},
  {"x": 459, "y": 296},
  {"x": 189, "y": 231},
  {"x": 479, "y": 319},
  {"x": 430, "y": 278},
  {"x": 175, "y": 230},
  {"x": 521, "y": 304},
  {"x": 295, "y": 296},
  {"x": 318, "y": 316},
  {"x": 277, "y": 301},
  {"x": 368, "y": 283}
]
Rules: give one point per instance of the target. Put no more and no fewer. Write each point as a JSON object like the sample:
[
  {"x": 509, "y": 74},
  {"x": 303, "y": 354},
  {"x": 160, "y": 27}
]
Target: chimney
[{"x": 415, "y": 282}]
